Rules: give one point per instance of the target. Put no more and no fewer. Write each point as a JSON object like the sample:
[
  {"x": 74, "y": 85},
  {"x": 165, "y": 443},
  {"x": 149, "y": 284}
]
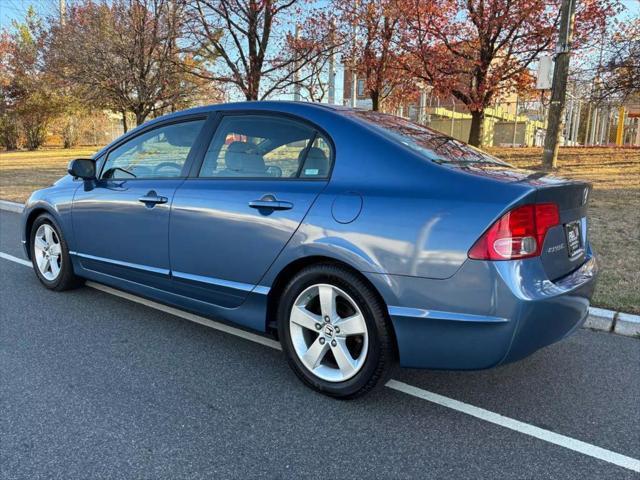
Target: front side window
[
  {"x": 263, "y": 146},
  {"x": 158, "y": 153}
]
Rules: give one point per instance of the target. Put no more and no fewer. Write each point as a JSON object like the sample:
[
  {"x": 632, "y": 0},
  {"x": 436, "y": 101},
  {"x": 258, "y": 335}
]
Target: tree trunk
[
  {"x": 375, "y": 100},
  {"x": 125, "y": 125},
  {"x": 252, "y": 91},
  {"x": 476, "y": 130},
  {"x": 140, "y": 118}
]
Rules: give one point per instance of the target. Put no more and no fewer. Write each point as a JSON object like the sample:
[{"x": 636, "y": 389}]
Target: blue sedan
[{"x": 359, "y": 239}]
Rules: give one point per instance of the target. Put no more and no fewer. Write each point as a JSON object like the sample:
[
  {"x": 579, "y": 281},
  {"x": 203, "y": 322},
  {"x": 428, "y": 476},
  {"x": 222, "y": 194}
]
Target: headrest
[
  {"x": 240, "y": 160},
  {"x": 316, "y": 164},
  {"x": 181, "y": 134}
]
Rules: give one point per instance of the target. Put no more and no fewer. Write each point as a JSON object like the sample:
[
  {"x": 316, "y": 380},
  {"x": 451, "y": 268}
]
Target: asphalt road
[{"x": 96, "y": 386}]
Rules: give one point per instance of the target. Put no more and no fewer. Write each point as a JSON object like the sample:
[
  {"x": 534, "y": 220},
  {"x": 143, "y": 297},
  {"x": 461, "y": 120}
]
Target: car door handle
[
  {"x": 271, "y": 204},
  {"x": 152, "y": 198}
]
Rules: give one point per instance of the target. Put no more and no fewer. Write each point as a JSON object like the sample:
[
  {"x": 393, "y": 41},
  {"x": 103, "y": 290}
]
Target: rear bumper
[{"x": 487, "y": 314}]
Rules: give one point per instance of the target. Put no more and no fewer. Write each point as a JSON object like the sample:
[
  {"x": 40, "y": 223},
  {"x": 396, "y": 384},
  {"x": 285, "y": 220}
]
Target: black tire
[
  {"x": 66, "y": 279},
  {"x": 381, "y": 354}
]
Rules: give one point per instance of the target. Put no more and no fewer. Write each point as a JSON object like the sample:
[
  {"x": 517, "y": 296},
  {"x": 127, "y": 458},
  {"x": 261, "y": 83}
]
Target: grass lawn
[
  {"x": 614, "y": 206},
  {"x": 22, "y": 172}
]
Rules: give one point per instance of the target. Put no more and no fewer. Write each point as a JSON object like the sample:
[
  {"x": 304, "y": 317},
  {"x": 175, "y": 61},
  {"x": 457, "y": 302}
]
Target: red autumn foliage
[{"x": 476, "y": 50}]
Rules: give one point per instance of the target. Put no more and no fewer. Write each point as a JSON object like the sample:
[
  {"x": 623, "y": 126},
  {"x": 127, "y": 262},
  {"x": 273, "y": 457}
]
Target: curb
[
  {"x": 11, "y": 206},
  {"x": 599, "y": 319},
  {"x": 627, "y": 324}
]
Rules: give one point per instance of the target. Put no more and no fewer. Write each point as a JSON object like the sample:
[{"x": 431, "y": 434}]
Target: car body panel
[
  {"x": 404, "y": 223},
  {"x": 505, "y": 317},
  {"x": 135, "y": 242},
  {"x": 212, "y": 222}
]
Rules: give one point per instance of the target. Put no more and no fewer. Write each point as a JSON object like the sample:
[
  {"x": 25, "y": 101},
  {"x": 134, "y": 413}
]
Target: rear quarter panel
[{"x": 416, "y": 218}]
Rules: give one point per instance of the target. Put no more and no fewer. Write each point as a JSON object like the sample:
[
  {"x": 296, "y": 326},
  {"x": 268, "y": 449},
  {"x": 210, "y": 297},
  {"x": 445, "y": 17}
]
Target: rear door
[{"x": 259, "y": 177}]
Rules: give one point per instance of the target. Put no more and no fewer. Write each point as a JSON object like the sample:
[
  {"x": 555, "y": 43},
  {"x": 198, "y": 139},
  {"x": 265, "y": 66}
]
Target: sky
[{"x": 16, "y": 9}]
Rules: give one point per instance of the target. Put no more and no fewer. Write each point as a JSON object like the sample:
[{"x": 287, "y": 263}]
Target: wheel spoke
[
  {"x": 48, "y": 234},
  {"x": 346, "y": 363},
  {"x": 354, "y": 325},
  {"x": 46, "y": 263},
  {"x": 53, "y": 263},
  {"x": 303, "y": 317},
  {"x": 54, "y": 249},
  {"x": 39, "y": 243},
  {"x": 315, "y": 354},
  {"x": 327, "y": 301},
  {"x": 42, "y": 263}
]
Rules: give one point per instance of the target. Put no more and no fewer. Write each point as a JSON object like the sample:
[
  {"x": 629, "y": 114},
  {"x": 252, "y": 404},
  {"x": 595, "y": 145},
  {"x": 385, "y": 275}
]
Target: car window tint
[
  {"x": 284, "y": 160},
  {"x": 158, "y": 153},
  {"x": 431, "y": 144},
  {"x": 250, "y": 146},
  {"x": 318, "y": 160}
]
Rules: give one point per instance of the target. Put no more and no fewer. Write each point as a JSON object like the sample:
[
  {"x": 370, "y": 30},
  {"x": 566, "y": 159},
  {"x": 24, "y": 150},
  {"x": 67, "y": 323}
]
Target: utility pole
[
  {"x": 332, "y": 67},
  {"x": 296, "y": 73},
  {"x": 559, "y": 86},
  {"x": 354, "y": 66},
  {"x": 63, "y": 11},
  {"x": 515, "y": 125}
]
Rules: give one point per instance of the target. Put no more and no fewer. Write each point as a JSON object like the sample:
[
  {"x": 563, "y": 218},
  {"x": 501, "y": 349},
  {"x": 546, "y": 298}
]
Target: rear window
[{"x": 429, "y": 143}]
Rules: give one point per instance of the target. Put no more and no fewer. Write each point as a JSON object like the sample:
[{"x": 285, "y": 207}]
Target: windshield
[{"x": 431, "y": 144}]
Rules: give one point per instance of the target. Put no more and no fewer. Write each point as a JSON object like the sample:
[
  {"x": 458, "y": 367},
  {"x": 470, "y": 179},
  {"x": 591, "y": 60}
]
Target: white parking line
[
  {"x": 477, "y": 412},
  {"x": 11, "y": 258}
]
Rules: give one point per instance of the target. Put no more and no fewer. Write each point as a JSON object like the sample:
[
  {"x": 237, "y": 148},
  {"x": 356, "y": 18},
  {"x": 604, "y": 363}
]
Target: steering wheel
[
  {"x": 168, "y": 165},
  {"x": 274, "y": 171}
]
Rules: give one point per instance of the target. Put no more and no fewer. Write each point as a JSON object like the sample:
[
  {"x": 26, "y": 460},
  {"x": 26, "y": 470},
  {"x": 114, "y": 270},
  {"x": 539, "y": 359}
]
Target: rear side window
[
  {"x": 265, "y": 146},
  {"x": 158, "y": 153},
  {"x": 429, "y": 143}
]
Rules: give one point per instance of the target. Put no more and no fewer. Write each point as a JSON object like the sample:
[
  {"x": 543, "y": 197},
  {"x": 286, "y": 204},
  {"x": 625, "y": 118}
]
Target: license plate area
[{"x": 573, "y": 233}]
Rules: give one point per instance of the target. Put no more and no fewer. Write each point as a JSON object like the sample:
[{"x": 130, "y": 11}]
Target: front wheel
[
  {"x": 50, "y": 255},
  {"x": 334, "y": 332}
]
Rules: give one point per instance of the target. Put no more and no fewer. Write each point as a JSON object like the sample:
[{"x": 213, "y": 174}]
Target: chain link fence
[{"x": 522, "y": 122}]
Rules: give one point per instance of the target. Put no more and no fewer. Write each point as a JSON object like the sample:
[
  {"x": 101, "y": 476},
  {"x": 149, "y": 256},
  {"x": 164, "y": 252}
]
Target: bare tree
[
  {"x": 621, "y": 69},
  {"x": 124, "y": 55},
  {"x": 251, "y": 55}
]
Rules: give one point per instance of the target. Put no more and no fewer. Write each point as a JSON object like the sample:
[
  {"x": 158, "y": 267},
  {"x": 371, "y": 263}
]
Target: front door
[
  {"x": 121, "y": 221},
  {"x": 259, "y": 177}
]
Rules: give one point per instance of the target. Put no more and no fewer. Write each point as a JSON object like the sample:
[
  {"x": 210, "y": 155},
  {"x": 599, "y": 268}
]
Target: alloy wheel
[
  {"x": 48, "y": 252},
  {"x": 329, "y": 333}
]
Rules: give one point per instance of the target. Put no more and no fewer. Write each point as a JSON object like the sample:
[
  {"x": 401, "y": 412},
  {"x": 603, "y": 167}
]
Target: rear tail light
[{"x": 517, "y": 234}]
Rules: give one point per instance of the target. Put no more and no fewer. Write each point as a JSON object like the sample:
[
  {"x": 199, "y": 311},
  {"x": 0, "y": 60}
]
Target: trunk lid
[{"x": 565, "y": 245}]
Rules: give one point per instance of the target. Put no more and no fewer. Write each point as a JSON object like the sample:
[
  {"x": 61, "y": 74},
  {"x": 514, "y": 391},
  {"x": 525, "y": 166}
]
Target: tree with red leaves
[
  {"x": 372, "y": 32},
  {"x": 476, "y": 50}
]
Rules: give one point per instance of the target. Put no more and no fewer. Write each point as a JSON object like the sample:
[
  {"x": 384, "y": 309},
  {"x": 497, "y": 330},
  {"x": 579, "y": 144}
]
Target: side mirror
[{"x": 84, "y": 168}]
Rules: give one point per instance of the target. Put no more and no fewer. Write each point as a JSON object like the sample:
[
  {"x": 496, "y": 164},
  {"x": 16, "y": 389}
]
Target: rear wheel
[
  {"x": 50, "y": 255},
  {"x": 334, "y": 332}
]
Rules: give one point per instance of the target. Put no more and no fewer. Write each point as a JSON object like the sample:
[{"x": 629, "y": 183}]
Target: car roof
[
  {"x": 284, "y": 106},
  {"x": 273, "y": 105}
]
